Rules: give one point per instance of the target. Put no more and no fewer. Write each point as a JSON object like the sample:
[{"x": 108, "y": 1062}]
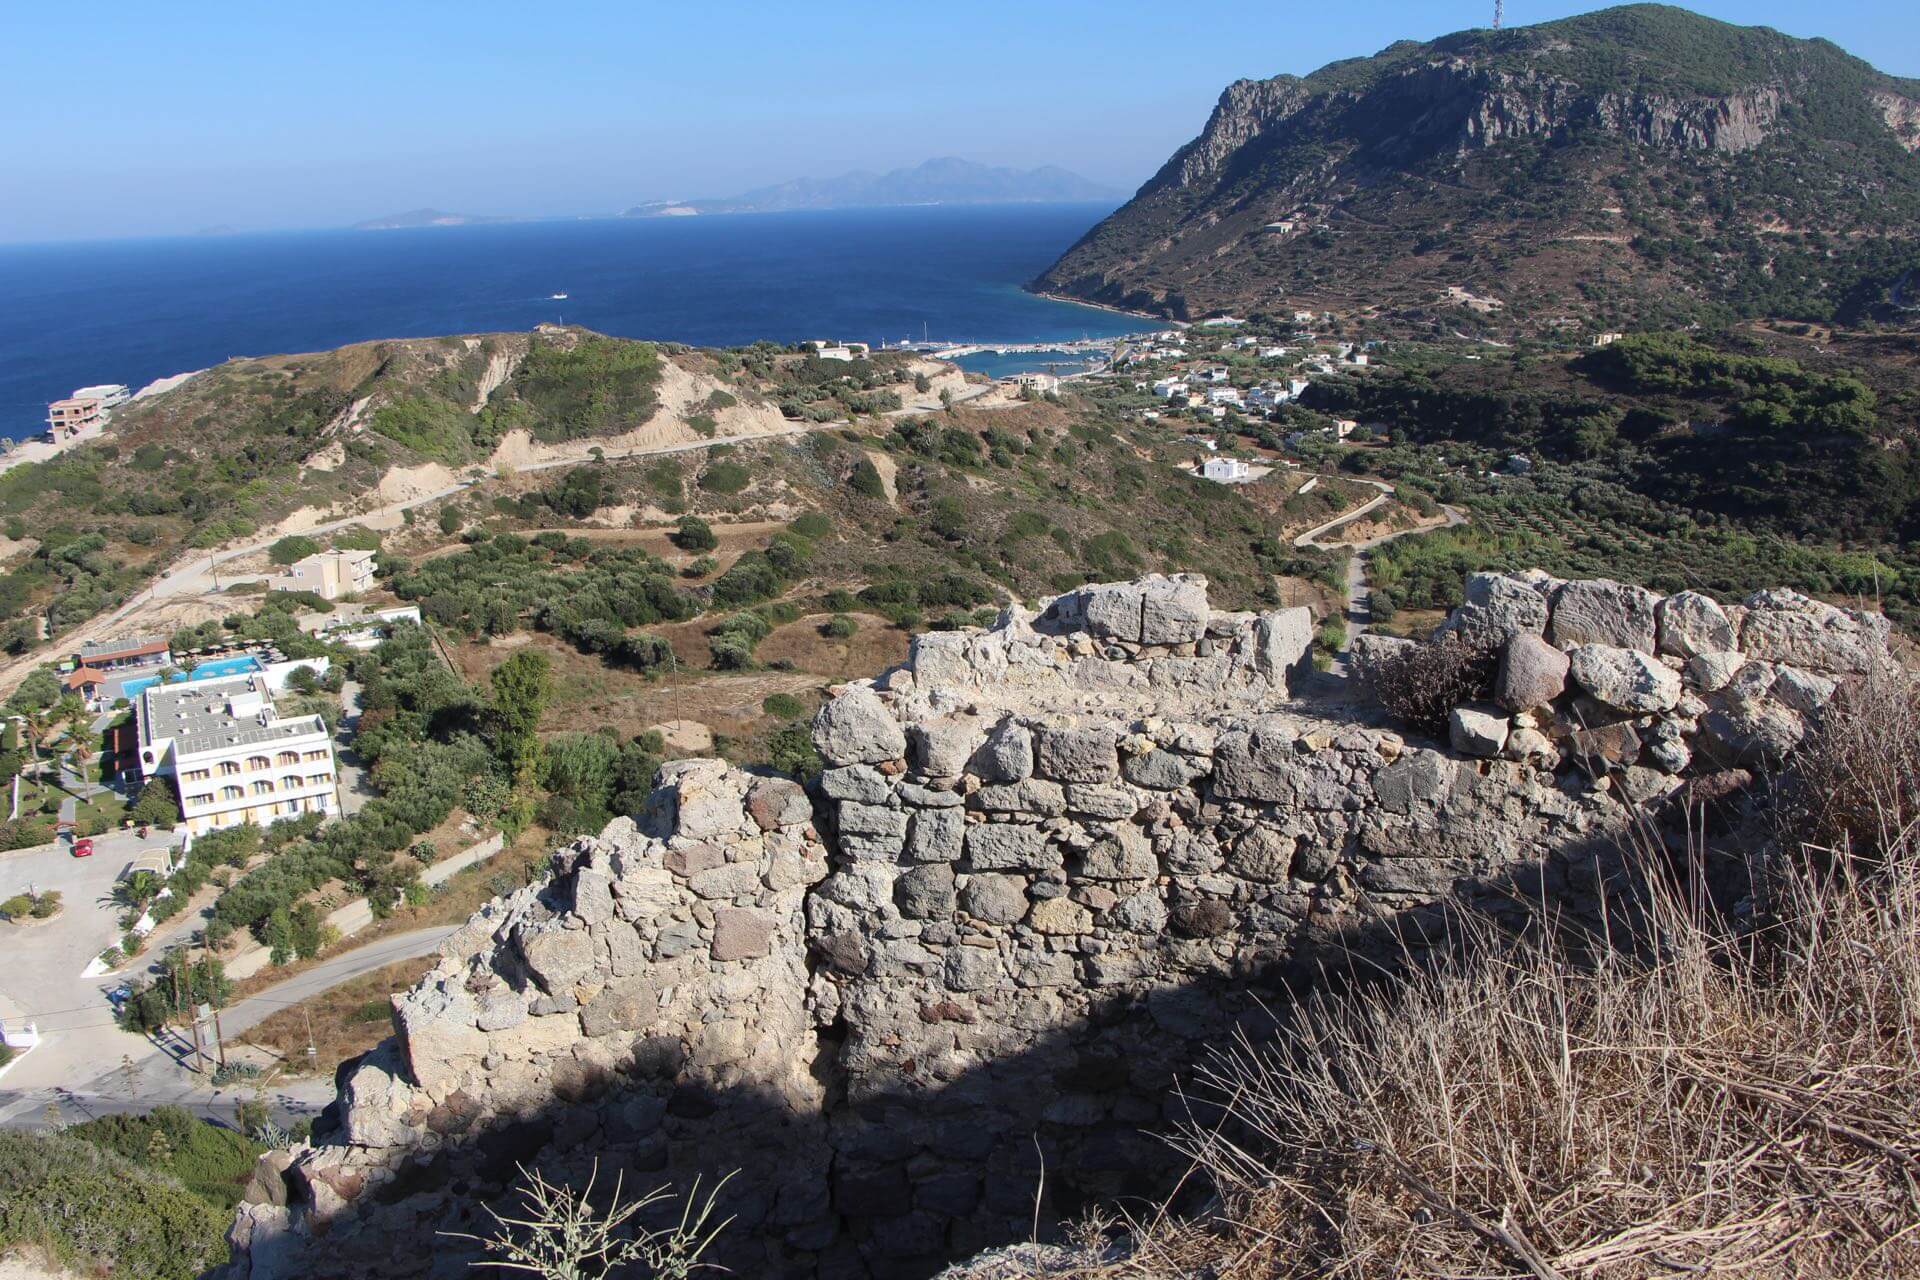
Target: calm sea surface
[{"x": 134, "y": 310}]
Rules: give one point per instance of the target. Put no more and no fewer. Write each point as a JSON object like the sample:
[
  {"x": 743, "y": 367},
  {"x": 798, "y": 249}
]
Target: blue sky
[{"x": 124, "y": 118}]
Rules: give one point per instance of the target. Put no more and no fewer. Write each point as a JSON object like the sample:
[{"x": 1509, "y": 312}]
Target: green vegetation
[
  {"x": 291, "y": 548},
  {"x": 598, "y": 386},
  {"x": 95, "y": 1208},
  {"x": 212, "y": 1162}
]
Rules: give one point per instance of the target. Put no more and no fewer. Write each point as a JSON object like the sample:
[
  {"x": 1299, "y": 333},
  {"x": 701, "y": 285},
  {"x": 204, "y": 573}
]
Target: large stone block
[
  {"x": 1006, "y": 846},
  {"x": 935, "y": 835},
  {"x": 1494, "y": 609},
  {"x": 1627, "y": 680},
  {"x": 857, "y": 728},
  {"x": 1691, "y": 623},
  {"x": 558, "y": 958},
  {"x": 741, "y": 933},
  {"x": 1532, "y": 673},
  {"x": 1173, "y": 610},
  {"x": 1602, "y": 611},
  {"x": 1786, "y": 626},
  {"x": 1077, "y": 755},
  {"x": 995, "y": 899}
]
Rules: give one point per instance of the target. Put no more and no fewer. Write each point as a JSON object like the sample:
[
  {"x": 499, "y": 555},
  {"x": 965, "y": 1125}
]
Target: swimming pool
[{"x": 212, "y": 669}]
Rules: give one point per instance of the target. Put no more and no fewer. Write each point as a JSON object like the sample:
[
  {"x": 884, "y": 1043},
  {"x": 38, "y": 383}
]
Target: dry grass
[
  {"x": 346, "y": 1020},
  {"x": 1725, "y": 1098}
]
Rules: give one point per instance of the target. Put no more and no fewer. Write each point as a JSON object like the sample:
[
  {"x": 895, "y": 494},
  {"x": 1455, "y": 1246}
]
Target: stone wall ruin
[{"x": 1046, "y": 866}]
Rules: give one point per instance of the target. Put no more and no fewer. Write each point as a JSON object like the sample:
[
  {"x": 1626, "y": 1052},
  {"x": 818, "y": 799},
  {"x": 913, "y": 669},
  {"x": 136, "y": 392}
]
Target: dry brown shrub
[
  {"x": 1855, "y": 781},
  {"x": 1423, "y": 683},
  {"x": 1725, "y": 1099}
]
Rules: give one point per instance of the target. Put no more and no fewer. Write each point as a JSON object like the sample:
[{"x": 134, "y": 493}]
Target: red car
[{"x": 83, "y": 847}]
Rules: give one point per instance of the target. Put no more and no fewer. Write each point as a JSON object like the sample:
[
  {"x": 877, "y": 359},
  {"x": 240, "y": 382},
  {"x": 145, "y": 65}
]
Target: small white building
[
  {"x": 1038, "y": 383},
  {"x": 1607, "y": 339},
  {"x": 231, "y": 756},
  {"x": 332, "y": 574},
  {"x": 1343, "y": 427},
  {"x": 1227, "y": 470}
]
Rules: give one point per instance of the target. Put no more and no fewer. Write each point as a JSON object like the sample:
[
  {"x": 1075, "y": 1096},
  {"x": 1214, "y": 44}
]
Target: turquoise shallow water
[{"x": 134, "y": 310}]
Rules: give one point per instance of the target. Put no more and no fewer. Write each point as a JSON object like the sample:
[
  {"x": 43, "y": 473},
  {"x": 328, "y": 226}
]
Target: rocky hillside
[
  {"x": 1636, "y": 164},
  {"x": 941, "y": 997}
]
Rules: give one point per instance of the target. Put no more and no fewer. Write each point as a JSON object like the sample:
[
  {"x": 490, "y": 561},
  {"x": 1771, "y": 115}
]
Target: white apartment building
[
  {"x": 332, "y": 574},
  {"x": 232, "y": 758}
]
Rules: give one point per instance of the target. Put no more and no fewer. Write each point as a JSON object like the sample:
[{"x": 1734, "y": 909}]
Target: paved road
[{"x": 134, "y": 1074}]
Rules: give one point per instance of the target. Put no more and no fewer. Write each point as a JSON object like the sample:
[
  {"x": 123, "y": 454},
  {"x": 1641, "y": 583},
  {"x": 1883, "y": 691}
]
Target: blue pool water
[{"x": 212, "y": 670}]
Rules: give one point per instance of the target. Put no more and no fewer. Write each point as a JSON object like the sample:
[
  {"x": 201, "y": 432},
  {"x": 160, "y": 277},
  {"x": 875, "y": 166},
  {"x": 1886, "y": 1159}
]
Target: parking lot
[{"x": 40, "y": 961}]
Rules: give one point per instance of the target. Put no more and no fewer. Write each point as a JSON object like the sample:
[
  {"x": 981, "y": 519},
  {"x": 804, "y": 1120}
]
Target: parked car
[{"x": 83, "y": 847}]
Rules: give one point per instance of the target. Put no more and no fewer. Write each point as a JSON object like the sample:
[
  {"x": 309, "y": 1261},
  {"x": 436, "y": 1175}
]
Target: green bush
[
  {"x": 866, "y": 481},
  {"x": 98, "y": 1210},
  {"x": 291, "y": 548},
  {"x": 694, "y": 534},
  {"x": 783, "y": 706},
  {"x": 212, "y": 1162},
  {"x": 812, "y": 524},
  {"x": 840, "y": 627},
  {"x": 725, "y": 477}
]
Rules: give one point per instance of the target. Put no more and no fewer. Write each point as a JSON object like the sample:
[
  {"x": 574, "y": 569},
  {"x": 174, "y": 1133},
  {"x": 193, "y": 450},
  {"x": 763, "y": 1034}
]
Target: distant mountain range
[
  {"x": 1637, "y": 165},
  {"x": 943, "y": 181},
  {"x": 430, "y": 218}
]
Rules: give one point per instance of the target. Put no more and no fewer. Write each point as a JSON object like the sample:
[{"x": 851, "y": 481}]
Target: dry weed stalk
[
  {"x": 1726, "y": 1101},
  {"x": 563, "y": 1237}
]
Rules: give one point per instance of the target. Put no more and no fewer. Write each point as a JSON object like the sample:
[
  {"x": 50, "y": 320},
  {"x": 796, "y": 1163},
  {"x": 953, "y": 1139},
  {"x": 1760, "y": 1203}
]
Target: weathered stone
[
  {"x": 1159, "y": 770},
  {"x": 1007, "y": 755},
  {"x": 1060, "y": 916},
  {"x": 1625, "y": 679},
  {"x": 1111, "y": 610},
  {"x": 705, "y": 798},
  {"x": 1603, "y": 612},
  {"x": 777, "y": 802},
  {"x": 625, "y": 1005},
  {"x": 1532, "y": 673},
  {"x": 915, "y": 796},
  {"x": 1786, "y": 626},
  {"x": 925, "y": 892},
  {"x": 935, "y": 835},
  {"x": 859, "y": 782},
  {"x": 1416, "y": 778},
  {"x": 677, "y": 939},
  {"x": 741, "y": 933},
  {"x": 1477, "y": 731},
  {"x": 1262, "y": 854},
  {"x": 941, "y": 748},
  {"x": 1173, "y": 610},
  {"x": 857, "y": 728},
  {"x": 1604, "y": 749},
  {"x": 1712, "y": 672},
  {"x": 1005, "y": 846},
  {"x": 1754, "y": 732},
  {"x": 1144, "y": 912},
  {"x": 1369, "y": 650},
  {"x": 691, "y": 859},
  {"x": 1030, "y": 795},
  {"x": 1256, "y": 763},
  {"x": 1204, "y": 919},
  {"x": 558, "y": 958},
  {"x": 1122, "y": 854},
  {"x": 1802, "y": 691},
  {"x": 972, "y": 969},
  {"x": 1109, "y": 803},
  {"x": 996, "y": 899},
  {"x": 1494, "y": 609},
  {"x": 873, "y": 820},
  {"x": 736, "y": 879},
  {"x": 1076, "y": 755},
  {"x": 1691, "y": 623}
]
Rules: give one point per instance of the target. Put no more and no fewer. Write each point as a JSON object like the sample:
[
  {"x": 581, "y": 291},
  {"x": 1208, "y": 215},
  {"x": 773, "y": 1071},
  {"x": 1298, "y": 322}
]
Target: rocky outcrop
[
  {"x": 1045, "y": 865},
  {"x": 1616, "y": 678}
]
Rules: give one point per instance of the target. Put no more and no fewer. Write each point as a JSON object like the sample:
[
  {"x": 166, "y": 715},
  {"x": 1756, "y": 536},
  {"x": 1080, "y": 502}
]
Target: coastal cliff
[
  {"x": 949, "y": 992},
  {"x": 1630, "y": 125}
]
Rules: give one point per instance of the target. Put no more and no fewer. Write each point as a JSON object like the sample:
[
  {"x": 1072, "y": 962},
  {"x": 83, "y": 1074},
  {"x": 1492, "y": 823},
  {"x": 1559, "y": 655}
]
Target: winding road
[{"x": 1359, "y": 610}]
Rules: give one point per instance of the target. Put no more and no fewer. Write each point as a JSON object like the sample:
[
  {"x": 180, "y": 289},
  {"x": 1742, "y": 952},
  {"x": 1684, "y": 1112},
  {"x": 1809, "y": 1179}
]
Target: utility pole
[{"x": 1499, "y": 13}]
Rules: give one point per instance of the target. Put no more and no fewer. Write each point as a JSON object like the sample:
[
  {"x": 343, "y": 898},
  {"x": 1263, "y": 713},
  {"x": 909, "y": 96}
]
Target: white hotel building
[{"x": 230, "y": 755}]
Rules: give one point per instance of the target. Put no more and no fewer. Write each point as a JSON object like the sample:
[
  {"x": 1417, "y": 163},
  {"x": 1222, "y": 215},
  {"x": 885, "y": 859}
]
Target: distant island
[
  {"x": 948, "y": 180},
  {"x": 429, "y": 218}
]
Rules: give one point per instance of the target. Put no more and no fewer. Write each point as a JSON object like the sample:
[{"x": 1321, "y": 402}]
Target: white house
[
  {"x": 231, "y": 756},
  {"x": 1343, "y": 427},
  {"x": 1226, "y": 470},
  {"x": 1038, "y": 383},
  {"x": 332, "y": 574},
  {"x": 1223, "y": 395}
]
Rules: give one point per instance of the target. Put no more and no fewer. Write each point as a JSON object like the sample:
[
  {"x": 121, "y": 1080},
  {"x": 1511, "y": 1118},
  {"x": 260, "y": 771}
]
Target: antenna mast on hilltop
[{"x": 1499, "y": 13}]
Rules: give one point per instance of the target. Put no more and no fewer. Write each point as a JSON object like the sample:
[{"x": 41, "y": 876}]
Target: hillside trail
[{"x": 1359, "y": 610}]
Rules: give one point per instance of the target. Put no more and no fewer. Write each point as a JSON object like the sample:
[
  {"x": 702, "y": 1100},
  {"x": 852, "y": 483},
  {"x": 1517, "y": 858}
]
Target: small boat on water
[{"x": 557, "y": 297}]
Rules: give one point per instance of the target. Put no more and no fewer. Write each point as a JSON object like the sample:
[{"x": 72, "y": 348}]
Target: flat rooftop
[{"x": 197, "y": 716}]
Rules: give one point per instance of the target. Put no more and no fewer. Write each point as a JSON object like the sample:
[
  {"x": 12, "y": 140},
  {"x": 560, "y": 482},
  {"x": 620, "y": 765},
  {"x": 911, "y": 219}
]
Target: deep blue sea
[{"x": 134, "y": 310}]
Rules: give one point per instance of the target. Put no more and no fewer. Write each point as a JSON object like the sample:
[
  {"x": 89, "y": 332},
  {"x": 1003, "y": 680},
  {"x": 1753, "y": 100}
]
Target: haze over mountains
[
  {"x": 948, "y": 180},
  {"x": 1638, "y": 164}
]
